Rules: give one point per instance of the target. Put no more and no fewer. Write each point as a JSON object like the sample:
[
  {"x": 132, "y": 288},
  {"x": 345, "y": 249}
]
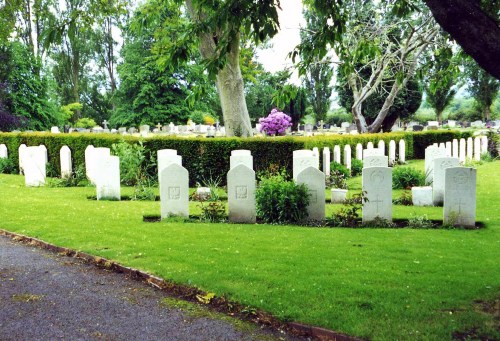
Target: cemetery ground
[{"x": 374, "y": 283}]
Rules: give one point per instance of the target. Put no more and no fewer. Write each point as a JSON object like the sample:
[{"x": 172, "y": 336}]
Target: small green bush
[
  {"x": 405, "y": 199},
  {"x": 420, "y": 222},
  {"x": 7, "y": 166},
  {"x": 131, "y": 158},
  {"x": 85, "y": 122},
  {"x": 407, "y": 177},
  {"x": 356, "y": 167},
  {"x": 279, "y": 201},
  {"x": 337, "y": 168}
]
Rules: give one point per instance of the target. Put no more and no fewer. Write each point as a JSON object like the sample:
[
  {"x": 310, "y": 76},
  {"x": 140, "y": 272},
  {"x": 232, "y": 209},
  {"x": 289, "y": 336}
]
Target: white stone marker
[
  {"x": 454, "y": 149},
  {"x": 34, "y": 166},
  {"x": 316, "y": 153},
  {"x": 326, "y": 161},
  {"x": 88, "y": 161},
  {"x": 347, "y": 156},
  {"x": 442, "y": 145},
  {"x": 54, "y": 130},
  {"x": 241, "y": 194},
  {"x": 372, "y": 152},
  {"x": 302, "y": 159},
  {"x": 174, "y": 191},
  {"x": 369, "y": 145},
  {"x": 45, "y": 154},
  {"x": 165, "y": 158},
  {"x": 477, "y": 148},
  {"x": 462, "y": 154},
  {"x": 402, "y": 151},
  {"x": 314, "y": 179},
  {"x": 377, "y": 183},
  {"x": 65, "y": 159},
  {"x": 460, "y": 196},
  {"x": 240, "y": 157},
  {"x": 94, "y": 157},
  {"x": 470, "y": 148},
  {"x": 3, "y": 151},
  {"x": 336, "y": 153},
  {"x": 359, "y": 151},
  {"x": 484, "y": 144},
  {"x": 421, "y": 196},
  {"x": 375, "y": 161},
  {"x": 107, "y": 177},
  {"x": 431, "y": 153},
  {"x": 448, "y": 149},
  {"x": 22, "y": 156},
  {"x": 392, "y": 152},
  {"x": 144, "y": 130},
  {"x": 381, "y": 145},
  {"x": 440, "y": 164}
]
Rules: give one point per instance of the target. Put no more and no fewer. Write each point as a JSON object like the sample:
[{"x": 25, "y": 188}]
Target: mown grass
[{"x": 381, "y": 284}]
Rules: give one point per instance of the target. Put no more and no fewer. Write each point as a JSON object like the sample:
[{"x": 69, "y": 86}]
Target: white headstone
[
  {"x": 314, "y": 179},
  {"x": 369, "y": 145},
  {"x": 452, "y": 123},
  {"x": 440, "y": 164},
  {"x": 477, "y": 148},
  {"x": 484, "y": 144},
  {"x": 460, "y": 196},
  {"x": 326, "y": 161},
  {"x": 442, "y": 145},
  {"x": 402, "y": 151},
  {"x": 377, "y": 183},
  {"x": 392, "y": 152},
  {"x": 65, "y": 159},
  {"x": 88, "y": 161},
  {"x": 381, "y": 145},
  {"x": 375, "y": 161},
  {"x": 95, "y": 155},
  {"x": 302, "y": 159},
  {"x": 316, "y": 153},
  {"x": 107, "y": 177},
  {"x": 174, "y": 191},
  {"x": 431, "y": 153},
  {"x": 462, "y": 154},
  {"x": 347, "y": 156},
  {"x": 448, "y": 149},
  {"x": 454, "y": 148},
  {"x": 22, "y": 156},
  {"x": 144, "y": 130},
  {"x": 470, "y": 148},
  {"x": 34, "y": 166},
  {"x": 336, "y": 153},
  {"x": 372, "y": 152},
  {"x": 240, "y": 157},
  {"x": 45, "y": 154},
  {"x": 433, "y": 123},
  {"x": 421, "y": 196},
  {"x": 3, "y": 151},
  {"x": 54, "y": 130},
  {"x": 359, "y": 151},
  {"x": 241, "y": 194}
]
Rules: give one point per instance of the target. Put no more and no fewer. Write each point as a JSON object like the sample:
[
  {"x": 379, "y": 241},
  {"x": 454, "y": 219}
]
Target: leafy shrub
[
  {"x": 143, "y": 190},
  {"x": 380, "y": 222},
  {"x": 77, "y": 178},
  {"x": 493, "y": 141},
  {"x": 407, "y": 177},
  {"x": 85, "y": 122},
  {"x": 356, "y": 167},
  {"x": 131, "y": 158},
  {"x": 420, "y": 222},
  {"x": 7, "y": 166},
  {"x": 197, "y": 116},
  {"x": 348, "y": 215},
  {"x": 405, "y": 199},
  {"x": 213, "y": 211},
  {"x": 337, "y": 168},
  {"x": 280, "y": 201},
  {"x": 336, "y": 180}
]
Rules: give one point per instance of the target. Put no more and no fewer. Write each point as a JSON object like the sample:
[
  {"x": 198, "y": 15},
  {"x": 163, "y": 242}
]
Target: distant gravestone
[
  {"x": 372, "y": 152},
  {"x": 452, "y": 123},
  {"x": 377, "y": 184},
  {"x": 144, "y": 130},
  {"x": 448, "y": 149},
  {"x": 462, "y": 154},
  {"x": 454, "y": 148},
  {"x": 240, "y": 157},
  {"x": 477, "y": 148},
  {"x": 460, "y": 197},
  {"x": 440, "y": 165},
  {"x": 336, "y": 153},
  {"x": 174, "y": 191},
  {"x": 34, "y": 166},
  {"x": 54, "y": 130},
  {"x": 122, "y": 130},
  {"x": 132, "y": 130},
  {"x": 107, "y": 177},
  {"x": 375, "y": 161},
  {"x": 381, "y": 146},
  {"x": 22, "y": 156},
  {"x": 359, "y": 151},
  {"x": 347, "y": 156},
  {"x": 402, "y": 151},
  {"x": 392, "y": 152},
  {"x": 241, "y": 194},
  {"x": 303, "y": 159},
  {"x": 326, "y": 161},
  {"x": 3, "y": 151},
  {"x": 418, "y": 127},
  {"x": 66, "y": 164},
  {"x": 314, "y": 179},
  {"x": 369, "y": 145},
  {"x": 421, "y": 196},
  {"x": 431, "y": 153},
  {"x": 470, "y": 148},
  {"x": 484, "y": 144}
]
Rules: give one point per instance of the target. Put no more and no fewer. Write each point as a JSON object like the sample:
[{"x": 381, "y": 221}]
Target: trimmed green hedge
[{"x": 205, "y": 158}]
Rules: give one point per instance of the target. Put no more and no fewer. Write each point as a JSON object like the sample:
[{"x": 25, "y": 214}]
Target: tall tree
[{"x": 482, "y": 86}]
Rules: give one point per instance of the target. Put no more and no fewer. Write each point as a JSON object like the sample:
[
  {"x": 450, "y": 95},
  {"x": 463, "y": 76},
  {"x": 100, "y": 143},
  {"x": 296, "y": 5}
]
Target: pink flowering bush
[{"x": 276, "y": 123}]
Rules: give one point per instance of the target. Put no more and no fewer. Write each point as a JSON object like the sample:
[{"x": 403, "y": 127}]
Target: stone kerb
[
  {"x": 375, "y": 161},
  {"x": 460, "y": 197},
  {"x": 377, "y": 183},
  {"x": 440, "y": 165},
  {"x": 65, "y": 160},
  {"x": 107, "y": 178},
  {"x": 314, "y": 179},
  {"x": 174, "y": 191},
  {"x": 34, "y": 166},
  {"x": 241, "y": 194},
  {"x": 240, "y": 157}
]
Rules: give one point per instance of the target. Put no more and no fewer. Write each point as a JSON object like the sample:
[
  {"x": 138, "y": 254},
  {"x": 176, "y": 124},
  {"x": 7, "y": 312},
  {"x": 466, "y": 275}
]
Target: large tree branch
[{"x": 472, "y": 28}]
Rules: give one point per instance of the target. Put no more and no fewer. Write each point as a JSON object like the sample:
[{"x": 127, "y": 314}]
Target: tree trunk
[
  {"x": 439, "y": 114},
  {"x": 472, "y": 28},
  {"x": 487, "y": 113}
]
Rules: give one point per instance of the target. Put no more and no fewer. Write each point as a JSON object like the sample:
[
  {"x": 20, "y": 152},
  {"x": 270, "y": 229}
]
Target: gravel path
[{"x": 44, "y": 296}]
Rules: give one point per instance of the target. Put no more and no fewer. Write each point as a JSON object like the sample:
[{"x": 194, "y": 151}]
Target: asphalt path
[{"x": 45, "y": 296}]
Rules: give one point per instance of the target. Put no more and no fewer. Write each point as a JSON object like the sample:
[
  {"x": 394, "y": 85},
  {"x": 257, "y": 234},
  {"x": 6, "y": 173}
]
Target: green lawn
[{"x": 381, "y": 284}]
